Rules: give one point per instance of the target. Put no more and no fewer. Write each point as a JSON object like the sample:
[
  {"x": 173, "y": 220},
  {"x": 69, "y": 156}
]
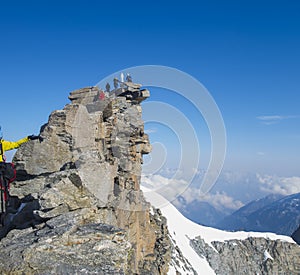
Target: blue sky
[{"x": 246, "y": 53}]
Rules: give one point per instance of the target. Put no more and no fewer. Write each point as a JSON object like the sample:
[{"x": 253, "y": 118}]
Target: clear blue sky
[{"x": 246, "y": 53}]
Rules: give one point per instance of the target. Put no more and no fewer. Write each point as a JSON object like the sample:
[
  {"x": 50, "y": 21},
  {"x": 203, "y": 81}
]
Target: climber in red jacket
[{"x": 7, "y": 170}]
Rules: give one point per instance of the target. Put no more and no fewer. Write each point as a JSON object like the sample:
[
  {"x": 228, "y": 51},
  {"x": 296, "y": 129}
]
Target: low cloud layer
[
  {"x": 279, "y": 185},
  {"x": 173, "y": 188},
  {"x": 232, "y": 191},
  {"x": 219, "y": 200}
]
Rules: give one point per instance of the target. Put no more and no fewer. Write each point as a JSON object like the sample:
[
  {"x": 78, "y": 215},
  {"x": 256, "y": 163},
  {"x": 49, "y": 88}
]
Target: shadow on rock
[{"x": 20, "y": 214}]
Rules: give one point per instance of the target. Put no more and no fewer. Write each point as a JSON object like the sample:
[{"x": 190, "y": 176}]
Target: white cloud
[
  {"x": 150, "y": 131},
  {"x": 172, "y": 188},
  {"x": 279, "y": 185},
  {"x": 274, "y": 119},
  {"x": 232, "y": 191},
  {"x": 219, "y": 200}
]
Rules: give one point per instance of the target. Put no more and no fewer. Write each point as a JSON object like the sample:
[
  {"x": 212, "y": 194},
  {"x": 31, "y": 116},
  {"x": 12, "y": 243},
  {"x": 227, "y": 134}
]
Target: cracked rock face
[
  {"x": 250, "y": 256},
  {"x": 80, "y": 188}
]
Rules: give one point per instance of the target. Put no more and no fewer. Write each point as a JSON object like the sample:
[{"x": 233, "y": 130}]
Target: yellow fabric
[{"x": 9, "y": 145}]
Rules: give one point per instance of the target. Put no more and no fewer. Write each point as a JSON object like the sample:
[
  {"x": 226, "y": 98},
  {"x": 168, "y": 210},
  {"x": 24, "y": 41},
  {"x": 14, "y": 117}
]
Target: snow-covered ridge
[{"x": 183, "y": 230}]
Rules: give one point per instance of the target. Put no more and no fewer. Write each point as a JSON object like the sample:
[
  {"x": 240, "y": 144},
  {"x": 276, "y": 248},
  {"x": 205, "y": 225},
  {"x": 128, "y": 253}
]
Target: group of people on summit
[{"x": 117, "y": 82}]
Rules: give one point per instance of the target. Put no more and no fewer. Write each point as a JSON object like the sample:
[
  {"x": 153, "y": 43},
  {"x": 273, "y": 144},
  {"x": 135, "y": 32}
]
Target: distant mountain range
[
  {"x": 273, "y": 213},
  {"x": 200, "y": 212},
  {"x": 238, "y": 218}
]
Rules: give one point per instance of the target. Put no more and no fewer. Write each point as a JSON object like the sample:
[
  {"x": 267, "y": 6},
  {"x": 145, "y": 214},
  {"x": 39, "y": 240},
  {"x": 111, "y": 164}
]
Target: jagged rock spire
[{"x": 81, "y": 189}]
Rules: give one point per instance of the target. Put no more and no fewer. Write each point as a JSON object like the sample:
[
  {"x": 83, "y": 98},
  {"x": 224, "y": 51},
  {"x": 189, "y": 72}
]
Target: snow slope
[{"x": 182, "y": 230}]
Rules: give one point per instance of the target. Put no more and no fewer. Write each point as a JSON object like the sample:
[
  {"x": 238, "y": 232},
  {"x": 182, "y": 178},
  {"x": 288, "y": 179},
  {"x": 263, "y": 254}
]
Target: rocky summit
[{"x": 76, "y": 207}]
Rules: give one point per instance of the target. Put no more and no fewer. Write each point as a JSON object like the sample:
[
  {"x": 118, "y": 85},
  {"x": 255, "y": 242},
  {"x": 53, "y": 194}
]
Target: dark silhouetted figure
[
  {"x": 107, "y": 87},
  {"x": 128, "y": 78},
  {"x": 116, "y": 83}
]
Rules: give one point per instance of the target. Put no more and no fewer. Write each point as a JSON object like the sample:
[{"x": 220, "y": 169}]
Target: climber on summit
[
  {"x": 10, "y": 145},
  {"x": 7, "y": 170}
]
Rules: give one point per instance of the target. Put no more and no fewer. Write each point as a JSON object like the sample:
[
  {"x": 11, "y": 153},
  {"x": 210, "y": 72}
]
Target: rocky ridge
[
  {"x": 250, "y": 256},
  {"x": 77, "y": 196}
]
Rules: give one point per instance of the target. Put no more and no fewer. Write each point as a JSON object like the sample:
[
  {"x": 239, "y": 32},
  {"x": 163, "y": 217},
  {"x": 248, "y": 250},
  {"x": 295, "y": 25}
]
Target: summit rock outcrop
[{"x": 77, "y": 197}]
